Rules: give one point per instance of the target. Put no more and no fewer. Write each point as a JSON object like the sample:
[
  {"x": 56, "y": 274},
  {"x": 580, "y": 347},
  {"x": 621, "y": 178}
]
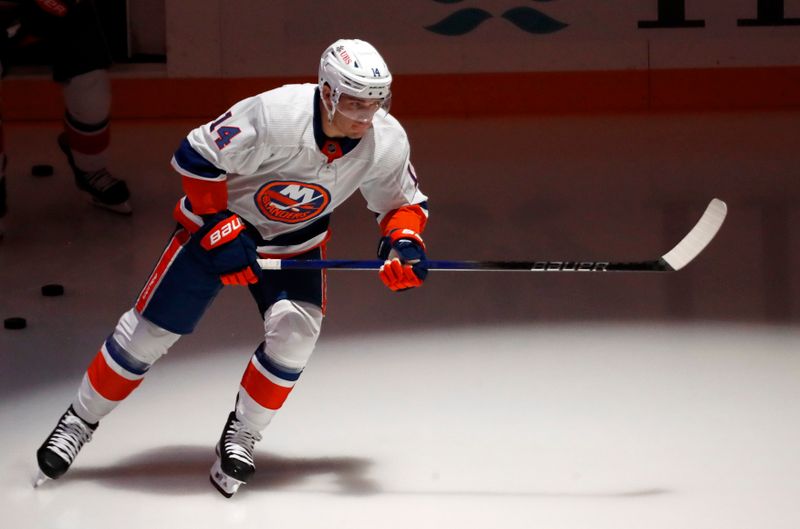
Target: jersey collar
[{"x": 333, "y": 148}]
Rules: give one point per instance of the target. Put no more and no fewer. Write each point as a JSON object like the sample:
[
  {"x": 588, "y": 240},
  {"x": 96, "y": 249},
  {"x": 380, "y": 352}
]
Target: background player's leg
[
  {"x": 86, "y": 138},
  {"x": 80, "y": 62},
  {"x": 87, "y": 99}
]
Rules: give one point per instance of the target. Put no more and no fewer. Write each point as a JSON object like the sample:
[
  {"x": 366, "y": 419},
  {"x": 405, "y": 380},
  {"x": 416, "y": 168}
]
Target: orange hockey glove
[{"x": 406, "y": 265}]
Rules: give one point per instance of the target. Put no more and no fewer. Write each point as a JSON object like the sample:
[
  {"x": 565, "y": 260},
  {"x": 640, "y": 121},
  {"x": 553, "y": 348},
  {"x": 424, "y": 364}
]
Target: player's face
[
  {"x": 357, "y": 109},
  {"x": 350, "y": 127},
  {"x": 353, "y": 115}
]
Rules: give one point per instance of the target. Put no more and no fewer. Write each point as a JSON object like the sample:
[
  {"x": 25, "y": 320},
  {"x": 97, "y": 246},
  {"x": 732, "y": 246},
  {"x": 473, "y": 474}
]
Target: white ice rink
[{"x": 477, "y": 402}]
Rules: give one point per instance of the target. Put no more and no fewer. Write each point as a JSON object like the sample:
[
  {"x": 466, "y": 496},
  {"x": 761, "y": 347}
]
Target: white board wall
[{"x": 278, "y": 38}]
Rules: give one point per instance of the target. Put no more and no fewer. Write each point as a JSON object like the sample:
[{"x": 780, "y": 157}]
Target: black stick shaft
[{"x": 474, "y": 266}]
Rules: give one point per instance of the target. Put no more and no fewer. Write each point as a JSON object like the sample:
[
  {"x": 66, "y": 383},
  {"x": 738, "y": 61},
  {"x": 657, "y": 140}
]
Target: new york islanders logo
[{"x": 291, "y": 202}]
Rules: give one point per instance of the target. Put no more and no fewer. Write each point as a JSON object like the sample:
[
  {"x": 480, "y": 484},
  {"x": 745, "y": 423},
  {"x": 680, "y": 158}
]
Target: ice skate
[
  {"x": 62, "y": 446},
  {"x": 234, "y": 464},
  {"x": 106, "y": 191}
]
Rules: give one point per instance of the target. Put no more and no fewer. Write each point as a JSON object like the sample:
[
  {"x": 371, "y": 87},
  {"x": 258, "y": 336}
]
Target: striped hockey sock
[
  {"x": 111, "y": 377},
  {"x": 88, "y": 143},
  {"x": 264, "y": 388}
]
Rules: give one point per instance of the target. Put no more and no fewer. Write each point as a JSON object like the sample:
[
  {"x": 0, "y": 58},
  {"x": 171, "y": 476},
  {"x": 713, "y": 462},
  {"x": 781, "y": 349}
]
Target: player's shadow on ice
[{"x": 184, "y": 470}]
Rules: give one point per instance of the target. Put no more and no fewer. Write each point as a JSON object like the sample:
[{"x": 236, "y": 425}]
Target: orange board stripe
[{"x": 452, "y": 95}]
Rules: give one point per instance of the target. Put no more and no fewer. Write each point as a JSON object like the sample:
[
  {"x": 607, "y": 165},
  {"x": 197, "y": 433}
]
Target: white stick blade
[{"x": 699, "y": 237}]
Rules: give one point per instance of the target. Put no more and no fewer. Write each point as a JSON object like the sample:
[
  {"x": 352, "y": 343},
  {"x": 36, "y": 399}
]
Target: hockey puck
[
  {"x": 52, "y": 290},
  {"x": 15, "y": 323},
  {"x": 42, "y": 170}
]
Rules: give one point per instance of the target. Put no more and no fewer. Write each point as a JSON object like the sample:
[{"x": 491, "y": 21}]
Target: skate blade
[
  {"x": 226, "y": 485},
  {"x": 40, "y": 478},
  {"x": 123, "y": 208}
]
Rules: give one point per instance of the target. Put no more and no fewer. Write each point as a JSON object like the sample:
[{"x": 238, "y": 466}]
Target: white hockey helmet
[{"x": 354, "y": 67}]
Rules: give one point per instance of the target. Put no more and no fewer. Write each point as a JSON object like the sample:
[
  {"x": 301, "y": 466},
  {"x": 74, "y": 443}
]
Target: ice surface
[{"x": 464, "y": 405}]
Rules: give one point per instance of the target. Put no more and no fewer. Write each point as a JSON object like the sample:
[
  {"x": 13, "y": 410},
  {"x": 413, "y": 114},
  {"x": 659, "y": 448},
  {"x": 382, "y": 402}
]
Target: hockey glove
[
  {"x": 406, "y": 265},
  {"x": 56, "y": 8},
  {"x": 228, "y": 251}
]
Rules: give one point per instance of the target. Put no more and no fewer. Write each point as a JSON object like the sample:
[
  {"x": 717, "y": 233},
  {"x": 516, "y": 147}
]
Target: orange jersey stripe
[
  {"x": 407, "y": 217},
  {"x": 206, "y": 196},
  {"x": 107, "y": 382},
  {"x": 262, "y": 390}
]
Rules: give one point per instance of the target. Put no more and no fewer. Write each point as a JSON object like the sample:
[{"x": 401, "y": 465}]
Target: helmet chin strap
[{"x": 332, "y": 110}]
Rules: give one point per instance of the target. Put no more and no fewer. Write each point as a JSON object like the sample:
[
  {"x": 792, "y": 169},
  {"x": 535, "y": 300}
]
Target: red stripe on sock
[
  {"x": 94, "y": 143},
  {"x": 108, "y": 382},
  {"x": 264, "y": 392}
]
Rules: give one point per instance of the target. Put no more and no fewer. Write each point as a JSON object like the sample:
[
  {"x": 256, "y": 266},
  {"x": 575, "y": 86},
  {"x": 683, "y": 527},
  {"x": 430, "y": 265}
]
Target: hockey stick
[{"x": 682, "y": 254}]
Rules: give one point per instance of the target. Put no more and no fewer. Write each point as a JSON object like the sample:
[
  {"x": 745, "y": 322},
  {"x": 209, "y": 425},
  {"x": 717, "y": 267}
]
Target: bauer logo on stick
[{"x": 292, "y": 202}]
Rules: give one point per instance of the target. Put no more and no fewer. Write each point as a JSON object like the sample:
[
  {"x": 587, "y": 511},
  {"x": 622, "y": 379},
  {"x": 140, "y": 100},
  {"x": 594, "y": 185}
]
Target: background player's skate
[
  {"x": 106, "y": 190},
  {"x": 234, "y": 464},
  {"x": 61, "y": 447}
]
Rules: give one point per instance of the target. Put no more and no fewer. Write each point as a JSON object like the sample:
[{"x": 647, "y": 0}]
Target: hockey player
[
  {"x": 68, "y": 34},
  {"x": 262, "y": 179}
]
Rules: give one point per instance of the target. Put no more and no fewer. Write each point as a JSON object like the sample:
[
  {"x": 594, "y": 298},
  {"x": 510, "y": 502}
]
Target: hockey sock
[
  {"x": 264, "y": 388},
  {"x": 111, "y": 377},
  {"x": 88, "y": 143},
  {"x": 87, "y": 98}
]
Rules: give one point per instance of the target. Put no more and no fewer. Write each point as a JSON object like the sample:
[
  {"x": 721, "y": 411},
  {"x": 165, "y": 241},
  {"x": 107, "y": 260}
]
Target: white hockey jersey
[{"x": 278, "y": 179}]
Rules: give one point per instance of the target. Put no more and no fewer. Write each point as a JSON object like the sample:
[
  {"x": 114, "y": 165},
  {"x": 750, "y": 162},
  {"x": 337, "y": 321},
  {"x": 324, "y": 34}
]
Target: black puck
[
  {"x": 15, "y": 323},
  {"x": 52, "y": 290},
  {"x": 42, "y": 170}
]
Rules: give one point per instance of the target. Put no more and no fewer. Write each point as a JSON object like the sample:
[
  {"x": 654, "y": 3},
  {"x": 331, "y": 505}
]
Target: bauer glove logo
[
  {"x": 225, "y": 231},
  {"x": 56, "y": 8}
]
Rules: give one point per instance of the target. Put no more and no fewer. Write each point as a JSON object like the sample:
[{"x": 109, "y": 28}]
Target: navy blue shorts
[{"x": 180, "y": 289}]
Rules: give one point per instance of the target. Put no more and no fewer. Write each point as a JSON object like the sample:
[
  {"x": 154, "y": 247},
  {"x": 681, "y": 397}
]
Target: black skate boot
[
  {"x": 106, "y": 191},
  {"x": 234, "y": 464},
  {"x": 62, "y": 446}
]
